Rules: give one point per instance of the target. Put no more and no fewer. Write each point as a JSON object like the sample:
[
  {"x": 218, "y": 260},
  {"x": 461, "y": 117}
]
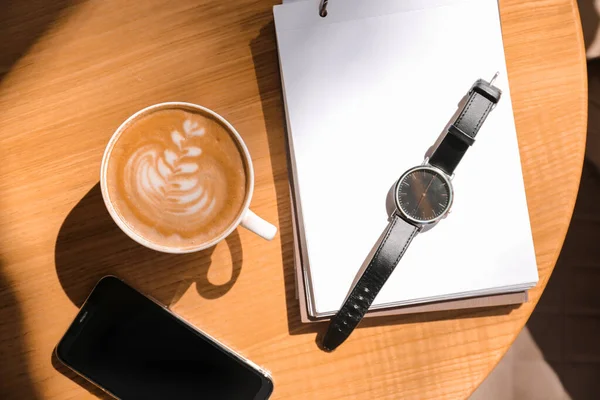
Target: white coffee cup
[{"x": 247, "y": 218}]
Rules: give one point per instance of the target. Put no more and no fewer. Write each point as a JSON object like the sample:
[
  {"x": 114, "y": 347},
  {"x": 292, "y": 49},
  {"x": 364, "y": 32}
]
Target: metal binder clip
[{"x": 323, "y": 8}]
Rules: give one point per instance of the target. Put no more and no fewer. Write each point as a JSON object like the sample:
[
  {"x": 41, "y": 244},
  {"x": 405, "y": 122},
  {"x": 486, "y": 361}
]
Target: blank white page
[{"x": 368, "y": 90}]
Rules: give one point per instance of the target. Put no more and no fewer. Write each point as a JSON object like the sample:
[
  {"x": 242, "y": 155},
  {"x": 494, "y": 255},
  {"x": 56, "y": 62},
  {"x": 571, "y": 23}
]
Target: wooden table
[{"x": 71, "y": 71}]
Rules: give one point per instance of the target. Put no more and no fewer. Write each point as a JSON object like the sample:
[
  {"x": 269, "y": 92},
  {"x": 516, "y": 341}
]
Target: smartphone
[{"x": 134, "y": 348}]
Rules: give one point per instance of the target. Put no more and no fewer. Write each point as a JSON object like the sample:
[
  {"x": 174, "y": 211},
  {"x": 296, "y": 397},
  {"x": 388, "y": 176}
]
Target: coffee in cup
[{"x": 177, "y": 177}]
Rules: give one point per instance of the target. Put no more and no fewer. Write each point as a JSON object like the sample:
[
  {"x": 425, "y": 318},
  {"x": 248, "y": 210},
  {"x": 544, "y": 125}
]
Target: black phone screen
[{"x": 135, "y": 349}]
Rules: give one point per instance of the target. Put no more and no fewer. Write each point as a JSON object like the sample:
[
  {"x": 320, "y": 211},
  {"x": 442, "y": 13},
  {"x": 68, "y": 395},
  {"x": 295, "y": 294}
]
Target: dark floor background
[{"x": 566, "y": 322}]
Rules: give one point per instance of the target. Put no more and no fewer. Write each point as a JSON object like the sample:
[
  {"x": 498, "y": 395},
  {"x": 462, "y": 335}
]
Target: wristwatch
[{"x": 423, "y": 196}]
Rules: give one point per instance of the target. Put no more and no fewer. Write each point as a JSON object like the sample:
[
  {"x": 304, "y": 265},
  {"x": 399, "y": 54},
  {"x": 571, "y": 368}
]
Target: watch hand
[{"x": 424, "y": 193}]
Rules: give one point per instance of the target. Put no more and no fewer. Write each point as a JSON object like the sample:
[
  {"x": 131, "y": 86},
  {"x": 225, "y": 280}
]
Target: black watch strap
[
  {"x": 482, "y": 98},
  {"x": 398, "y": 236}
]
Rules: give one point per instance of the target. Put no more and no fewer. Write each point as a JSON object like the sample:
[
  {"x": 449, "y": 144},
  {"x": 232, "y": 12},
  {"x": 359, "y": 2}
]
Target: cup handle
[{"x": 256, "y": 224}]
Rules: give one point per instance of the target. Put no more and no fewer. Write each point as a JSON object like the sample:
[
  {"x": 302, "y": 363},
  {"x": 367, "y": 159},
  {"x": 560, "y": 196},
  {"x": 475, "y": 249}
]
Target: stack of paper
[{"x": 368, "y": 90}]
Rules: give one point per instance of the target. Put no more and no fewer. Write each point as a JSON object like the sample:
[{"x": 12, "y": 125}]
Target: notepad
[{"x": 367, "y": 91}]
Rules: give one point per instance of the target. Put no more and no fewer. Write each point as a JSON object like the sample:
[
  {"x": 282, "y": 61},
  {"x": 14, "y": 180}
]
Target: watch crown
[{"x": 447, "y": 213}]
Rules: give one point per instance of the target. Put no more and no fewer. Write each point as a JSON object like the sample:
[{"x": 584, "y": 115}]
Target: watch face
[{"x": 423, "y": 194}]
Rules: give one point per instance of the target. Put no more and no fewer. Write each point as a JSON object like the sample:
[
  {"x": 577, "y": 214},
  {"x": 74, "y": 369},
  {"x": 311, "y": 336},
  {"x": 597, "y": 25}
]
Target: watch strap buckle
[{"x": 487, "y": 89}]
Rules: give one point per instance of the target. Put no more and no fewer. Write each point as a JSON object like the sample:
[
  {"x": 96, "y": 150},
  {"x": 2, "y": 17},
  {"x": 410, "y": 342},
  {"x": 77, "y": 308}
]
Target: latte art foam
[
  {"x": 170, "y": 180},
  {"x": 177, "y": 177}
]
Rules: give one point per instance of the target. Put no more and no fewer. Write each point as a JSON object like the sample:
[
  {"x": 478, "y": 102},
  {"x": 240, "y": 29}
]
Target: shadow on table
[
  {"x": 422, "y": 318},
  {"x": 23, "y": 22},
  {"x": 439, "y": 316},
  {"x": 266, "y": 66},
  {"x": 566, "y": 322},
  {"x": 90, "y": 245},
  {"x": 15, "y": 380}
]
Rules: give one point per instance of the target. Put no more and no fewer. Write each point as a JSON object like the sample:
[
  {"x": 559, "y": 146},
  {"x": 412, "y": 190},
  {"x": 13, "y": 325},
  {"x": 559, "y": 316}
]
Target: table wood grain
[{"x": 71, "y": 71}]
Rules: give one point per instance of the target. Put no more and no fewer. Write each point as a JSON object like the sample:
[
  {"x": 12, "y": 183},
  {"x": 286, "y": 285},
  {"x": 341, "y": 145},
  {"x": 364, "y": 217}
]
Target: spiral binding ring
[{"x": 323, "y": 8}]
